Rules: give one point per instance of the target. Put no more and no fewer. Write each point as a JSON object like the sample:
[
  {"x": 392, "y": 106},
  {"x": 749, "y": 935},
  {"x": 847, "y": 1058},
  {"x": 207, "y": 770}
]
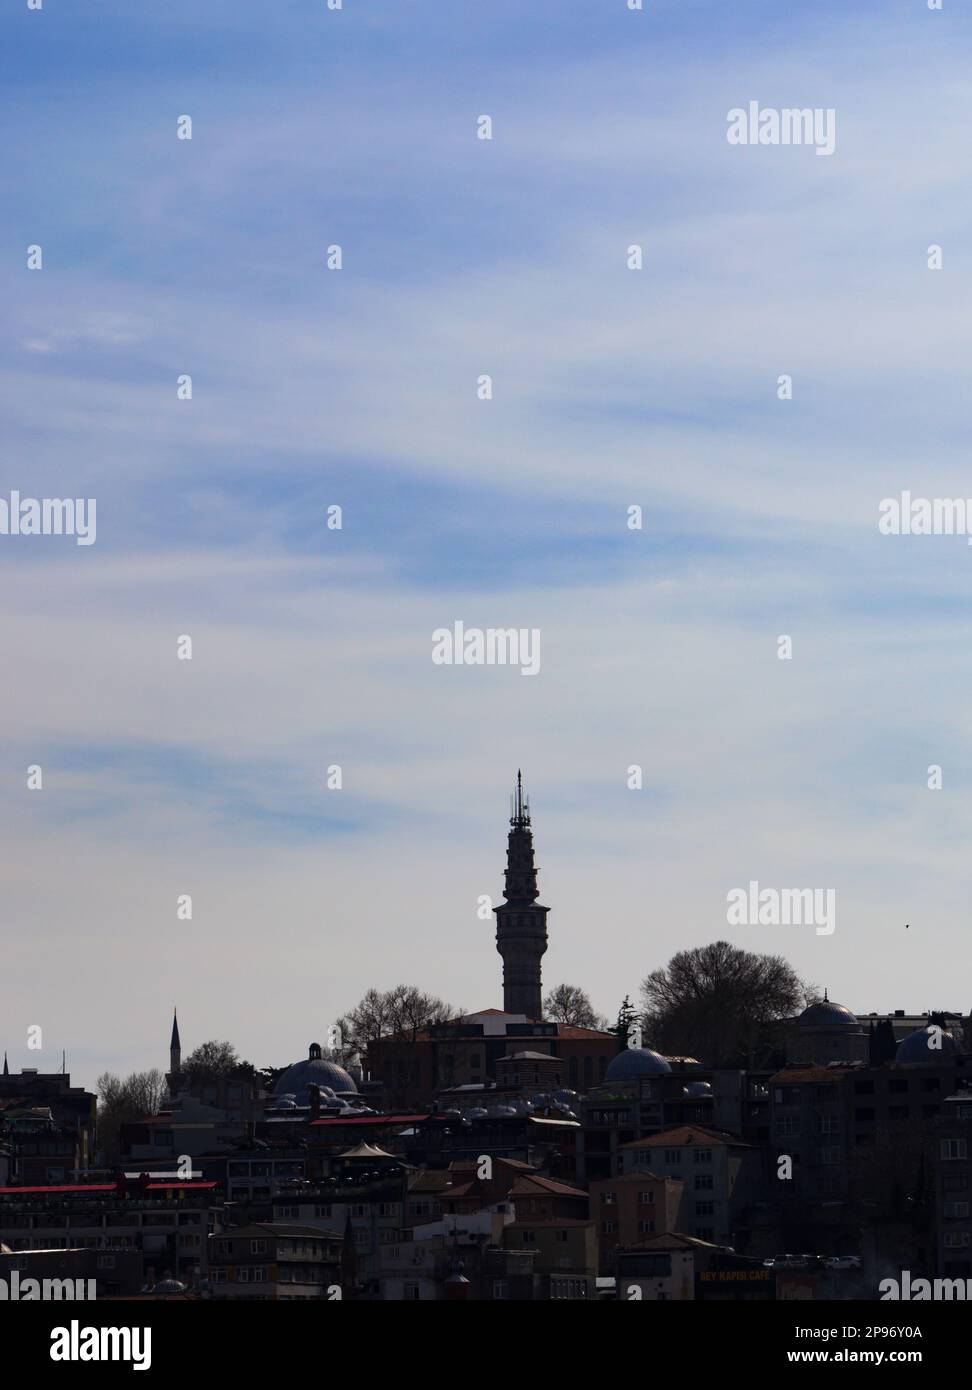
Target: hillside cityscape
[{"x": 738, "y": 1136}]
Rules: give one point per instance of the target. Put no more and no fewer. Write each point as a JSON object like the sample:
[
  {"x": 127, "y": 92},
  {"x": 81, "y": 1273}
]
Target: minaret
[
  {"x": 174, "y": 1076},
  {"x": 521, "y": 922},
  {"x": 175, "y": 1046}
]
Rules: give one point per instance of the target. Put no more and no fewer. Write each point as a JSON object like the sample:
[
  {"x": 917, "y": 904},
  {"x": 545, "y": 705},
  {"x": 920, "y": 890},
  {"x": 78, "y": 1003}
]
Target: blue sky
[{"x": 358, "y": 387}]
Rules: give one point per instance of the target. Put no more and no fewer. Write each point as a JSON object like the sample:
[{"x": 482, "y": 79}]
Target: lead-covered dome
[
  {"x": 635, "y": 1062},
  {"x": 926, "y": 1047},
  {"x": 826, "y": 1014},
  {"x": 315, "y": 1071}
]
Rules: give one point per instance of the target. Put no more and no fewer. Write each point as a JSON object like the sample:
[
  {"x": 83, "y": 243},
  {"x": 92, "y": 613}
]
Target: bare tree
[
  {"x": 121, "y": 1102},
  {"x": 570, "y": 1005}
]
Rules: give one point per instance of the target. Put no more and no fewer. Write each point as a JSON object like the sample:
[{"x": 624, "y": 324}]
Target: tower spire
[
  {"x": 521, "y": 922},
  {"x": 6, "y": 1069},
  {"x": 175, "y": 1050}
]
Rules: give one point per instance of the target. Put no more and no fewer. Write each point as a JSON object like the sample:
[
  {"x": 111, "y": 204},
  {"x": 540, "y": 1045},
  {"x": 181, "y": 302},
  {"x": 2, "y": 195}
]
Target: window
[
  {"x": 258, "y": 1275},
  {"x": 529, "y": 1237},
  {"x": 898, "y": 1087},
  {"x": 956, "y": 1240},
  {"x": 953, "y": 1211},
  {"x": 289, "y": 1213},
  {"x": 609, "y": 1227},
  {"x": 562, "y": 1235},
  {"x": 704, "y": 1208},
  {"x": 828, "y": 1124},
  {"x": 258, "y": 1247},
  {"x": 952, "y": 1148},
  {"x": 955, "y": 1182},
  {"x": 647, "y": 1228},
  {"x": 647, "y": 1198},
  {"x": 703, "y": 1155},
  {"x": 828, "y": 1156},
  {"x": 609, "y": 1199},
  {"x": 787, "y": 1127},
  {"x": 501, "y": 1288},
  {"x": 412, "y": 1293},
  {"x": 673, "y": 1155},
  {"x": 704, "y": 1182},
  {"x": 224, "y": 1247},
  {"x": 863, "y": 1088}
]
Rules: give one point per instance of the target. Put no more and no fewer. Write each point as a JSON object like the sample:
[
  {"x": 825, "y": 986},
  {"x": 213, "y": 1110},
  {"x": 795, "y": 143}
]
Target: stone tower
[{"x": 521, "y": 922}]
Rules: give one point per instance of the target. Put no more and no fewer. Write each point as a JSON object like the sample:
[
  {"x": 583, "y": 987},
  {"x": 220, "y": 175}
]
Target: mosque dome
[
  {"x": 635, "y": 1062},
  {"x": 697, "y": 1090},
  {"x": 315, "y": 1071},
  {"x": 919, "y": 1049},
  {"x": 826, "y": 1014}
]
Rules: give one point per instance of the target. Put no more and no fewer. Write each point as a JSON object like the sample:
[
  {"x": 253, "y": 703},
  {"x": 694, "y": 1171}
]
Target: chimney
[{"x": 315, "y": 1101}]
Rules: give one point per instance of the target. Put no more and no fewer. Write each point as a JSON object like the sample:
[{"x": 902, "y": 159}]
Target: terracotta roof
[
  {"x": 529, "y": 1184},
  {"x": 362, "y": 1120},
  {"x": 799, "y": 1074},
  {"x": 674, "y": 1240},
  {"x": 132, "y": 1189},
  {"x": 640, "y": 1176},
  {"x": 553, "y": 1221},
  {"x": 468, "y": 1165},
  {"x": 684, "y": 1134}
]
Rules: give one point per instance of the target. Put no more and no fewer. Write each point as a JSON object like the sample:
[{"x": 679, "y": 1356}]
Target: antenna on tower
[{"x": 519, "y": 804}]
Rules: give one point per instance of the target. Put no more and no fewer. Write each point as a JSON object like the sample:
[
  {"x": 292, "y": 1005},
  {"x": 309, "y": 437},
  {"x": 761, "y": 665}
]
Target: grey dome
[
  {"x": 635, "y": 1062},
  {"x": 916, "y": 1049},
  {"x": 826, "y": 1014},
  {"x": 315, "y": 1071},
  {"x": 697, "y": 1089}
]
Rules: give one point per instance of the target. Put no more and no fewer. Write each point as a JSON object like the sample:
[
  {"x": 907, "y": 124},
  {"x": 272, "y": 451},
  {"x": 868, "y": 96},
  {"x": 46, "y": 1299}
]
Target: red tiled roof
[
  {"x": 684, "y": 1134},
  {"x": 810, "y": 1074},
  {"x": 528, "y": 1186},
  {"x": 376, "y": 1120},
  {"x": 131, "y": 1187}
]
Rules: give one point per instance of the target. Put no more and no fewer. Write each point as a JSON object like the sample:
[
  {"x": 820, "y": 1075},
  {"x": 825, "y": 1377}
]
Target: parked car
[{"x": 842, "y": 1262}]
